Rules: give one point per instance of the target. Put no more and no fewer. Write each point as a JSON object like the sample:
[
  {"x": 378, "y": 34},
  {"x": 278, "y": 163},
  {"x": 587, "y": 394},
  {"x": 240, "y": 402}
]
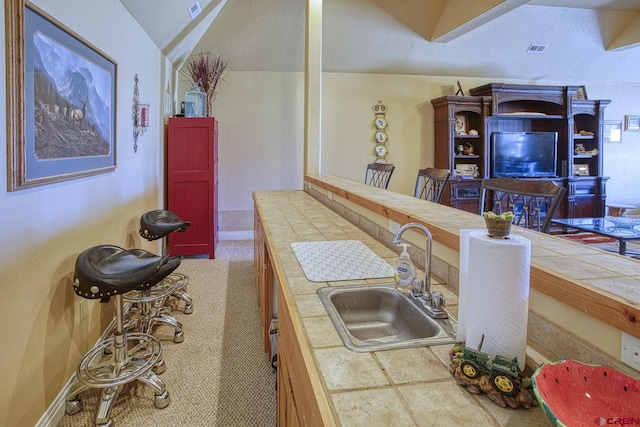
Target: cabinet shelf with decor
[
  {"x": 587, "y": 189},
  {"x": 509, "y": 108},
  {"x": 463, "y": 154},
  {"x": 587, "y": 117}
]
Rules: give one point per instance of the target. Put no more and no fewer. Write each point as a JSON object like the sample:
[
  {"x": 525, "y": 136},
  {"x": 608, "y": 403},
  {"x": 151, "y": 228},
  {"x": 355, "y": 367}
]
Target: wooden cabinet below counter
[
  {"x": 264, "y": 281},
  {"x": 301, "y": 400},
  {"x": 296, "y": 402}
]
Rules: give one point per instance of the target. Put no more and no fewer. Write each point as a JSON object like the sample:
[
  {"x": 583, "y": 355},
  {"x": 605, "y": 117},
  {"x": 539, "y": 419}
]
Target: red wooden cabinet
[{"x": 192, "y": 181}]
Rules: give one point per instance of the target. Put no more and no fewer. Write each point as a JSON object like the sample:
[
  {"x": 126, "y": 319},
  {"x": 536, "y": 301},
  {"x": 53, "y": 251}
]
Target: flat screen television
[{"x": 524, "y": 154}]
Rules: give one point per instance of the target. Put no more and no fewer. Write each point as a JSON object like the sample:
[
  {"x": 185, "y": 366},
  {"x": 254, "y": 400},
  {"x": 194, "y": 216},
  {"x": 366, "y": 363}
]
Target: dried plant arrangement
[{"x": 208, "y": 70}]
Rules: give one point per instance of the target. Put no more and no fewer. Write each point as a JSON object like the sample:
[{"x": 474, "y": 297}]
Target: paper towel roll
[
  {"x": 462, "y": 284},
  {"x": 494, "y": 293}
]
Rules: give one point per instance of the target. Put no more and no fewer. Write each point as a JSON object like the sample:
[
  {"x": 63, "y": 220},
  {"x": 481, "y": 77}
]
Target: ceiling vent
[
  {"x": 195, "y": 10},
  {"x": 537, "y": 48}
]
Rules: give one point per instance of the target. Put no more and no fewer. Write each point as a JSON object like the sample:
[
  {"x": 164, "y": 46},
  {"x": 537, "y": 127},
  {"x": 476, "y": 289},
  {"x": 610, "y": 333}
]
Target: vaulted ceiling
[{"x": 584, "y": 40}]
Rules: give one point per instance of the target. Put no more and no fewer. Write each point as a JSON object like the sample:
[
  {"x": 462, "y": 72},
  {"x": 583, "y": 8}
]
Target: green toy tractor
[{"x": 504, "y": 373}]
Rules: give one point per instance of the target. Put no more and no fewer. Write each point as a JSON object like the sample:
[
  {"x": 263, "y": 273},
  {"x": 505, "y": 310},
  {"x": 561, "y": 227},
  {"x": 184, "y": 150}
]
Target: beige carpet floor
[{"x": 219, "y": 375}]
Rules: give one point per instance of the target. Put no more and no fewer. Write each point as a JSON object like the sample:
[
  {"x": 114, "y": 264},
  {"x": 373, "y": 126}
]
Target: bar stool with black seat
[
  {"x": 158, "y": 224},
  {"x": 107, "y": 272}
]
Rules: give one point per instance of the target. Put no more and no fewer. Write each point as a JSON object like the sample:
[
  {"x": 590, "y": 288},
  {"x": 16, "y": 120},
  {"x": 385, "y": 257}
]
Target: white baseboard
[
  {"x": 55, "y": 412},
  {"x": 235, "y": 235}
]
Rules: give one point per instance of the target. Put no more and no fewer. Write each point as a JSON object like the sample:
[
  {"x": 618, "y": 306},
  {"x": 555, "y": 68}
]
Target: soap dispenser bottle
[{"x": 405, "y": 271}]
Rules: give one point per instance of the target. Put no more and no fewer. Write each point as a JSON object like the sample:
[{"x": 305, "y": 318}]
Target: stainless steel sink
[{"x": 379, "y": 317}]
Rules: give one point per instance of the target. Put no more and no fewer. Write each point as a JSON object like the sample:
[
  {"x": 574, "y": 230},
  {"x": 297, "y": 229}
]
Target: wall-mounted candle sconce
[{"x": 140, "y": 115}]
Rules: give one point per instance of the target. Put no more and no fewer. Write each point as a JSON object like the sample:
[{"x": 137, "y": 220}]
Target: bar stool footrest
[{"x": 96, "y": 370}]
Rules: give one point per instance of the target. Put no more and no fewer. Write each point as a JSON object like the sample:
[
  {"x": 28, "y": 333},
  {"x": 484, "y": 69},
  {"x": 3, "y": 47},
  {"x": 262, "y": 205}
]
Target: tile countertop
[
  {"x": 407, "y": 387},
  {"x": 605, "y": 286}
]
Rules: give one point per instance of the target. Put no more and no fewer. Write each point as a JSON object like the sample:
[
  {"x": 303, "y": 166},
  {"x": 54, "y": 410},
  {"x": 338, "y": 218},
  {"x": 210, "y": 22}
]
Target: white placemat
[{"x": 336, "y": 260}]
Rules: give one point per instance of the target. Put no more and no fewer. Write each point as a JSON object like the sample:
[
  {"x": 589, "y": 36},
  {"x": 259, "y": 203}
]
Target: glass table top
[{"x": 618, "y": 227}]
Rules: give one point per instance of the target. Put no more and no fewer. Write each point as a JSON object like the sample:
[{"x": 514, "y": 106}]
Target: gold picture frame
[{"x": 53, "y": 137}]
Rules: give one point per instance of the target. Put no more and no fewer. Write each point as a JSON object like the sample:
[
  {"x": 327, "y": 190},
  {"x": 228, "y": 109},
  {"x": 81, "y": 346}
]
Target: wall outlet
[
  {"x": 329, "y": 195},
  {"x": 393, "y": 226},
  {"x": 83, "y": 309},
  {"x": 195, "y": 10},
  {"x": 631, "y": 351}
]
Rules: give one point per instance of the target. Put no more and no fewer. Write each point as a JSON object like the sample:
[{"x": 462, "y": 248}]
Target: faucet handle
[
  {"x": 437, "y": 300},
  {"x": 416, "y": 290}
]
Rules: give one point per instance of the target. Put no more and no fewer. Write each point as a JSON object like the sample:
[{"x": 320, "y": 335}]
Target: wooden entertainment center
[{"x": 498, "y": 107}]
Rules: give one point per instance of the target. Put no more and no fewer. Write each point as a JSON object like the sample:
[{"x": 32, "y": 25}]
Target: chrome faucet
[{"x": 423, "y": 290}]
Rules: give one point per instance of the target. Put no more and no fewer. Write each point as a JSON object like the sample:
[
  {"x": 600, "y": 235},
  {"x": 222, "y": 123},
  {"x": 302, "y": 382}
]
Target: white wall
[
  {"x": 347, "y": 126},
  {"x": 260, "y": 116},
  {"x": 261, "y": 132},
  {"x": 621, "y": 159},
  {"x": 348, "y": 131},
  {"x": 45, "y": 228}
]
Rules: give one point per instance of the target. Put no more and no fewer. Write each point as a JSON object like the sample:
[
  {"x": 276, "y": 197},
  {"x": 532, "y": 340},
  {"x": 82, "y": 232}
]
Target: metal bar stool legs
[
  {"x": 108, "y": 272},
  {"x": 182, "y": 281},
  {"x": 158, "y": 224},
  {"x": 149, "y": 312},
  {"x": 125, "y": 357}
]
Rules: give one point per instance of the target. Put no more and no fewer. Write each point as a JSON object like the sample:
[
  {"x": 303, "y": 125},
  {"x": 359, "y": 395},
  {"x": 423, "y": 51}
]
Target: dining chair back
[
  {"x": 533, "y": 202},
  {"x": 379, "y": 174},
  {"x": 430, "y": 184}
]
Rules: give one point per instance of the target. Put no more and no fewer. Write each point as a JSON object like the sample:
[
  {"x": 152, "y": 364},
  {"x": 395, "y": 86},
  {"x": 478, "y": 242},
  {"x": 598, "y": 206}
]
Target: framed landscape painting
[{"x": 62, "y": 118}]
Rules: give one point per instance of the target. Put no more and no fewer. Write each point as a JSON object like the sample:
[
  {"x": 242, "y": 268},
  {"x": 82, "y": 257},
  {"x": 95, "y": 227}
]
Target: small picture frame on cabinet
[
  {"x": 612, "y": 131},
  {"x": 466, "y": 170},
  {"x": 460, "y": 124},
  {"x": 581, "y": 170},
  {"x": 632, "y": 123}
]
